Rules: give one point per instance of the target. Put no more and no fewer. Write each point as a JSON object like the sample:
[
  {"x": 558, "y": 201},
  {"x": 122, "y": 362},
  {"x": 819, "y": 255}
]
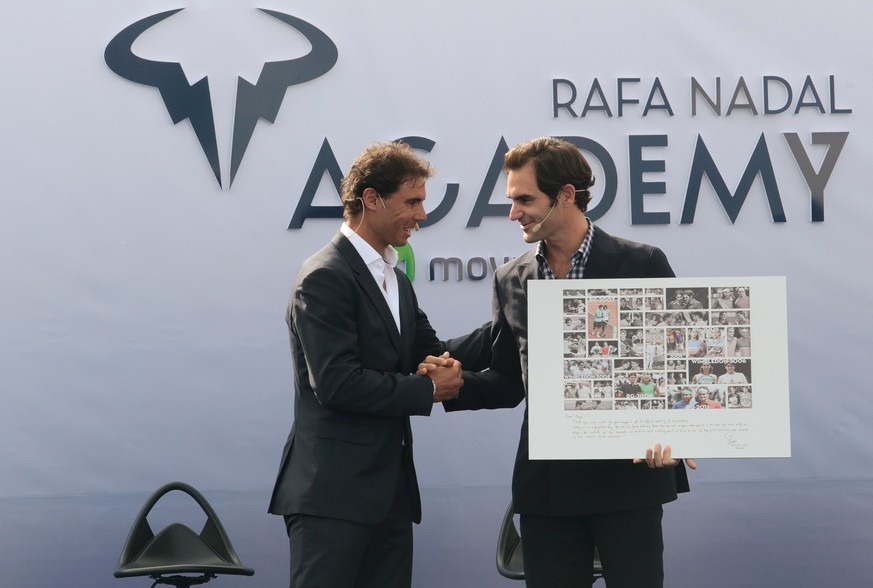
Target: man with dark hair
[
  {"x": 568, "y": 507},
  {"x": 347, "y": 485},
  {"x": 686, "y": 400}
]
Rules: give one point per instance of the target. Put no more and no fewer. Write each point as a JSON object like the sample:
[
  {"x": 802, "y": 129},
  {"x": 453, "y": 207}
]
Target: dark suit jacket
[
  {"x": 564, "y": 487},
  {"x": 351, "y": 436}
]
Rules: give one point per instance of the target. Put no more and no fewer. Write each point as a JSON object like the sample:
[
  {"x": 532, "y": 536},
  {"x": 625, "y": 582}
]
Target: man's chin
[{"x": 400, "y": 241}]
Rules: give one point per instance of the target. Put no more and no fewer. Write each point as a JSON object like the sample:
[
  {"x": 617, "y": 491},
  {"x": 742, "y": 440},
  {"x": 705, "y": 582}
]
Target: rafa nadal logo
[{"x": 253, "y": 101}]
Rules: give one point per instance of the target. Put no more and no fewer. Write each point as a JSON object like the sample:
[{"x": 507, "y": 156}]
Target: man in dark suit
[
  {"x": 569, "y": 507},
  {"x": 347, "y": 484}
]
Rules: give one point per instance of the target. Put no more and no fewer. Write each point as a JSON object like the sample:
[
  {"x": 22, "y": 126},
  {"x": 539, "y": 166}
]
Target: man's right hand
[{"x": 448, "y": 380}]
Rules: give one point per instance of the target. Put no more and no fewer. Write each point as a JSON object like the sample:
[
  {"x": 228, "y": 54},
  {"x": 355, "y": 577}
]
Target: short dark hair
[
  {"x": 383, "y": 167},
  {"x": 556, "y": 163}
]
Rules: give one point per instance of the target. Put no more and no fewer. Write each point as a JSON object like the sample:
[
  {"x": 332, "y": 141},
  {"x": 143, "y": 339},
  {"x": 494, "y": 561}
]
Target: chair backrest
[
  {"x": 177, "y": 549},
  {"x": 510, "y": 557}
]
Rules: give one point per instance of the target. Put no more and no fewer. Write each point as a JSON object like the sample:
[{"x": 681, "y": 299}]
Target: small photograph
[
  {"x": 574, "y": 293},
  {"x": 574, "y": 344},
  {"x": 742, "y": 297},
  {"x": 631, "y": 319},
  {"x": 628, "y": 365},
  {"x": 716, "y": 343},
  {"x": 602, "y": 389},
  {"x": 653, "y": 404},
  {"x": 627, "y": 404},
  {"x": 675, "y": 339},
  {"x": 654, "y": 291},
  {"x": 571, "y": 390},
  {"x": 638, "y": 385},
  {"x": 733, "y": 317},
  {"x": 655, "y": 350},
  {"x": 676, "y": 378},
  {"x": 739, "y": 397},
  {"x": 603, "y": 348},
  {"x": 696, "y": 318},
  {"x": 655, "y": 319},
  {"x": 574, "y": 323},
  {"x": 630, "y": 303},
  {"x": 721, "y": 298},
  {"x": 631, "y": 343},
  {"x": 597, "y": 293},
  {"x": 627, "y": 386},
  {"x": 676, "y": 365},
  {"x": 631, "y": 292},
  {"x": 672, "y": 319},
  {"x": 655, "y": 303},
  {"x": 603, "y": 319},
  {"x": 739, "y": 343},
  {"x": 734, "y": 372},
  {"x": 649, "y": 387},
  {"x": 722, "y": 318},
  {"x": 676, "y": 318},
  {"x": 595, "y": 404},
  {"x": 695, "y": 343},
  {"x": 707, "y": 397},
  {"x": 574, "y": 306},
  {"x": 702, "y": 373},
  {"x": 578, "y": 404},
  {"x": 680, "y": 397},
  {"x": 687, "y": 298},
  {"x": 576, "y": 369},
  {"x": 601, "y": 368}
]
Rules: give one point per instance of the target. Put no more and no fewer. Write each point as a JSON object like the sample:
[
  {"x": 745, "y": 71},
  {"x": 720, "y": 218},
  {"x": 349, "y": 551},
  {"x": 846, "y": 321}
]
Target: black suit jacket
[
  {"x": 351, "y": 436},
  {"x": 564, "y": 487}
]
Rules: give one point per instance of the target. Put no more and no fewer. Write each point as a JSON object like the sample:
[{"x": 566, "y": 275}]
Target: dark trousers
[
  {"x": 559, "y": 551},
  {"x": 331, "y": 553}
]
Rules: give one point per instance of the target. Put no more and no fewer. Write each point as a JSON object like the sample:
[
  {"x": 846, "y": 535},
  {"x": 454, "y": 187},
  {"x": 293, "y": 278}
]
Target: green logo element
[{"x": 407, "y": 257}]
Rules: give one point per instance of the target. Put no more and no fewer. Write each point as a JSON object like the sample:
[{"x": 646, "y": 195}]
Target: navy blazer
[
  {"x": 354, "y": 391},
  {"x": 564, "y": 487}
]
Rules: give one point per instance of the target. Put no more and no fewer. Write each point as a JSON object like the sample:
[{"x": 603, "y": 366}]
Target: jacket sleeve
[
  {"x": 472, "y": 350},
  {"x": 501, "y": 385}
]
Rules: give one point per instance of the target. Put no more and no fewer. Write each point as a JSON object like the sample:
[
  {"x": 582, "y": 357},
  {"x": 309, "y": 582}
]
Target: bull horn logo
[{"x": 253, "y": 101}]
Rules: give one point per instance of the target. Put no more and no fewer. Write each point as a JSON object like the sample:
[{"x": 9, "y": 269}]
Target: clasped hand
[{"x": 445, "y": 373}]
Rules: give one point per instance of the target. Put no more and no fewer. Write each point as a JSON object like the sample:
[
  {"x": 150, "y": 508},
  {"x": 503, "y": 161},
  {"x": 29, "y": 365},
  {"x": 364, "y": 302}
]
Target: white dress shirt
[{"x": 381, "y": 267}]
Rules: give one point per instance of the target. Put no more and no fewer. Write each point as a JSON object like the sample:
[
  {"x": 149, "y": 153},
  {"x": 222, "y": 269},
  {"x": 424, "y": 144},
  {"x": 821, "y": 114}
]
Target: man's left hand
[{"x": 656, "y": 458}]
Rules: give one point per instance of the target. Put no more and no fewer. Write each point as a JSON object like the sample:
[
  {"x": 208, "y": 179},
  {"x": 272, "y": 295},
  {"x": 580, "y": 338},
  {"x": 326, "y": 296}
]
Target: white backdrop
[{"x": 141, "y": 325}]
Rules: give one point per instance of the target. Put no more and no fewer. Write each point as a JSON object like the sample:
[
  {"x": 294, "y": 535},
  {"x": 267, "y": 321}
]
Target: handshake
[{"x": 445, "y": 373}]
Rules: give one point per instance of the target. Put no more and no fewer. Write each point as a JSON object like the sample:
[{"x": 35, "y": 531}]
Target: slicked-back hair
[
  {"x": 383, "y": 167},
  {"x": 556, "y": 163}
]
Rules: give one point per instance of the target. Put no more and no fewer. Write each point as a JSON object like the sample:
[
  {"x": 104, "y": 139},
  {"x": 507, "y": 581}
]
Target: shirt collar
[
  {"x": 580, "y": 257},
  {"x": 366, "y": 251}
]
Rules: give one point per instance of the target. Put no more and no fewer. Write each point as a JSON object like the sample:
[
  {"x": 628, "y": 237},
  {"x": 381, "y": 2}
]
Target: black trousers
[
  {"x": 332, "y": 553},
  {"x": 559, "y": 551}
]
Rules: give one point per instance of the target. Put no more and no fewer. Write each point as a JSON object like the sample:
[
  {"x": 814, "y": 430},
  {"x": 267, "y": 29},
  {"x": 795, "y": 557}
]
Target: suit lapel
[
  {"x": 369, "y": 287},
  {"x": 603, "y": 259},
  {"x": 408, "y": 318}
]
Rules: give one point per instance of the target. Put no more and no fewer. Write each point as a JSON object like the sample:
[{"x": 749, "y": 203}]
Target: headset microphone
[
  {"x": 416, "y": 226},
  {"x": 536, "y": 228}
]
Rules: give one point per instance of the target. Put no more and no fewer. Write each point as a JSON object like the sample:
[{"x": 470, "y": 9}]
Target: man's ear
[{"x": 370, "y": 198}]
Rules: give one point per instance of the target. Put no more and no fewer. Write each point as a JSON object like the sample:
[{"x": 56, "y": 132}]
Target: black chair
[
  {"x": 510, "y": 558},
  {"x": 177, "y": 549}
]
